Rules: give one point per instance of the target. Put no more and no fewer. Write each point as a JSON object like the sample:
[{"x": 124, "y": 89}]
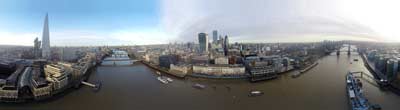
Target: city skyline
[
  {"x": 201, "y": 54},
  {"x": 160, "y": 22}
]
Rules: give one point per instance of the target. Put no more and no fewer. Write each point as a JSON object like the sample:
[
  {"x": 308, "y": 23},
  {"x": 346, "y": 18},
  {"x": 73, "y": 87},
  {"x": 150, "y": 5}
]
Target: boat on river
[
  {"x": 199, "y": 86},
  {"x": 309, "y": 67},
  {"x": 255, "y": 93},
  {"x": 169, "y": 79},
  {"x": 162, "y": 80},
  {"x": 296, "y": 74}
]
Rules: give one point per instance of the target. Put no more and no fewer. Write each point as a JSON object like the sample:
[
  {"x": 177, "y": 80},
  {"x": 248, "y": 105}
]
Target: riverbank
[
  {"x": 392, "y": 86},
  {"x": 154, "y": 67},
  {"x": 200, "y": 75},
  {"x": 207, "y": 76}
]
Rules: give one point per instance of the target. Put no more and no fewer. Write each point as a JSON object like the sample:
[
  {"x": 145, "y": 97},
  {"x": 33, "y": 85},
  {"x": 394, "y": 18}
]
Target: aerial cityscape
[{"x": 126, "y": 55}]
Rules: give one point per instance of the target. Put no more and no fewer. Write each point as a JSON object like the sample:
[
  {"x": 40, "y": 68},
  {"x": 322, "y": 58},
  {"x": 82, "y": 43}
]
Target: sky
[{"x": 138, "y": 22}]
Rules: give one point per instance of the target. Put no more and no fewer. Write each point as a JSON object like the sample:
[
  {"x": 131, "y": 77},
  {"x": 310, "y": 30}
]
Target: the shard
[{"x": 46, "y": 39}]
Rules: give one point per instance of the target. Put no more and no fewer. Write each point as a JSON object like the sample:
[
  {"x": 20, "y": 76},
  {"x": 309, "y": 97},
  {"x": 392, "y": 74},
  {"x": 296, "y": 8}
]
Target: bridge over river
[{"x": 118, "y": 58}]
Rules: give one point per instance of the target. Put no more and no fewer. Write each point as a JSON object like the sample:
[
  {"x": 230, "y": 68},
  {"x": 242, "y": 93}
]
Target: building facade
[
  {"x": 203, "y": 43},
  {"x": 215, "y": 36},
  {"x": 36, "y": 48},
  {"x": 166, "y": 60},
  {"x": 219, "y": 70}
]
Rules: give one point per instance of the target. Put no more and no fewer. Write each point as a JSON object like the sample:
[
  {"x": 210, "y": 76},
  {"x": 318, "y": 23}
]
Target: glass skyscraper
[{"x": 203, "y": 42}]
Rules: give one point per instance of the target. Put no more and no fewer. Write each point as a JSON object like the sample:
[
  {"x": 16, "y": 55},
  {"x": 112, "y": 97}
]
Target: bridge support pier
[
  {"x": 348, "y": 51},
  {"x": 338, "y": 52}
]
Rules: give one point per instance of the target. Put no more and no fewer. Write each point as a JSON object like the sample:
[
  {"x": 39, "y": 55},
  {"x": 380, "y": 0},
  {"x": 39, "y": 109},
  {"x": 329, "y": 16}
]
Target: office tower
[
  {"x": 215, "y": 36},
  {"x": 203, "y": 42},
  {"x": 36, "y": 48},
  {"x": 226, "y": 45}
]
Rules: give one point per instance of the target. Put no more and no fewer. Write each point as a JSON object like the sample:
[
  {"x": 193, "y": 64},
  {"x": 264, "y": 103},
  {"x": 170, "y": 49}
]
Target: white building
[{"x": 219, "y": 70}]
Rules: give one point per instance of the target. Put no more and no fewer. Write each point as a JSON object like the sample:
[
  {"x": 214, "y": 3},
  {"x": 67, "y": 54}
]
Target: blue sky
[
  {"x": 77, "y": 14},
  {"x": 97, "y": 17},
  {"x": 137, "y": 22}
]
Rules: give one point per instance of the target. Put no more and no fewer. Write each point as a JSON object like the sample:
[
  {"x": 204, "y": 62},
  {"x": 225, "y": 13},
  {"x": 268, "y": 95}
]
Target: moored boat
[
  {"x": 309, "y": 67},
  {"x": 169, "y": 79},
  {"x": 162, "y": 80},
  {"x": 296, "y": 74}
]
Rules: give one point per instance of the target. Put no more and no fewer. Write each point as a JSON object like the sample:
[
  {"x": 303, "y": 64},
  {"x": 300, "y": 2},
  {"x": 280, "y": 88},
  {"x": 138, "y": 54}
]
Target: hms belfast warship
[{"x": 35, "y": 80}]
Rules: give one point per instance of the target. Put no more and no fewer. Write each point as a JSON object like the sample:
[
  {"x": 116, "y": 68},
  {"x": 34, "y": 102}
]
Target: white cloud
[
  {"x": 142, "y": 37},
  {"x": 273, "y": 19},
  {"x": 244, "y": 20},
  {"x": 8, "y": 38},
  {"x": 380, "y": 15}
]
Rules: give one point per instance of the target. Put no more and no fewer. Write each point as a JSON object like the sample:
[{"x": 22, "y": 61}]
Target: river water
[{"x": 135, "y": 87}]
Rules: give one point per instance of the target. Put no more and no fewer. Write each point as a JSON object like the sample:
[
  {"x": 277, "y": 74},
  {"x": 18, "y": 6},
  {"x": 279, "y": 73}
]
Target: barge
[
  {"x": 301, "y": 71},
  {"x": 309, "y": 67}
]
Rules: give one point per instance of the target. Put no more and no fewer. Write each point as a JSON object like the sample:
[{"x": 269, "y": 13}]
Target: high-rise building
[
  {"x": 226, "y": 45},
  {"x": 220, "y": 41},
  {"x": 46, "y": 39},
  {"x": 215, "y": 36},
  {"x": 36, "y": 48},
  {"x": 203, "y": 42}
]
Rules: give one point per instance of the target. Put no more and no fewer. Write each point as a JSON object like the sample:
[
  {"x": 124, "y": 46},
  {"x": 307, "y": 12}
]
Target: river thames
[{"x": 135, "y": 87}]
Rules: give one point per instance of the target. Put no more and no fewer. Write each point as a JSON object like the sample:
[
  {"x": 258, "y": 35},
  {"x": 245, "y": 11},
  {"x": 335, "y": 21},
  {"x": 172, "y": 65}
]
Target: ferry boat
[
  {"x": 354, "y": 92},
  {"x": 162, "y": 80},
  {"x": 255, "y": 93}
]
